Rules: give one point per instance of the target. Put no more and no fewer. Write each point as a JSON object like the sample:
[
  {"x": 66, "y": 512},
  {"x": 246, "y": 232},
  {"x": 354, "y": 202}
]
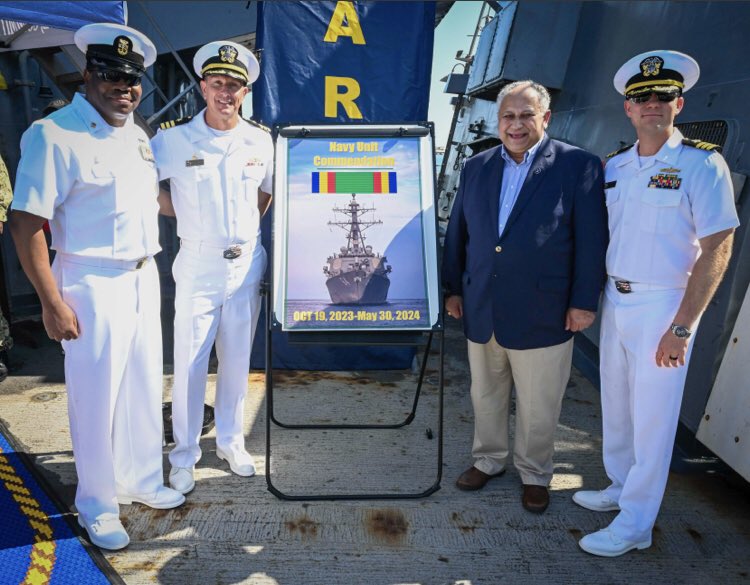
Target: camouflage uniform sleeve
[
  {"x": 6, "y": 191},
  {"x": 6, "y": 196},
  {"x": 6, "y": 341}
]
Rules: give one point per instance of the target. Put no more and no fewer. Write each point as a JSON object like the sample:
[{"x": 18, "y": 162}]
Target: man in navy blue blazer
[{"x": 523, "y": 265}]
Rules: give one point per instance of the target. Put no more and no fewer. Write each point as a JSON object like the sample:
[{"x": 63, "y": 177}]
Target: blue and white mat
[{"x": 38, "y": 546}]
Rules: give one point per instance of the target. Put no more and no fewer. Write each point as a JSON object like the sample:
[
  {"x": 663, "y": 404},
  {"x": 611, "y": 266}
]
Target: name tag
[{"x": 194, "y": 162}]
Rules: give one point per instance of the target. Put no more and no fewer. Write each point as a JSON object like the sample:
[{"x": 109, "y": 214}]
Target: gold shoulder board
[
  {"x": 701, "y": 144},
  {"x": 172, "y": 123},
  {"x": 621, "y": 150},
  {"x": 258, "y": 125}
]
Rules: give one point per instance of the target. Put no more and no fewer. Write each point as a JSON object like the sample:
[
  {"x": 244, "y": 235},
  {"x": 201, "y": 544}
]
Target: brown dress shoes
[
  {"x": 535, "y": 498},
  {"x": 473, "y": 479}
]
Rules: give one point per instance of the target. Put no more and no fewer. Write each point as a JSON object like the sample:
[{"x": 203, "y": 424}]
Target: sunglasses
[
  {"x": 662, "y": 97},
  {"x": 117, "y": 77}
]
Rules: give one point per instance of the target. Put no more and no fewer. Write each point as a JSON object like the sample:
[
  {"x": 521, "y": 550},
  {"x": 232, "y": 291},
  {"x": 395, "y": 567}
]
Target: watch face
[{"x": 680, "y": 331}]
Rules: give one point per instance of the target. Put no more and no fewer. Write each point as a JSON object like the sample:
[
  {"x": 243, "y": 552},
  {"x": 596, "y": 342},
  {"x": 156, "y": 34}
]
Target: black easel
[{"x": 382, "y": 338}]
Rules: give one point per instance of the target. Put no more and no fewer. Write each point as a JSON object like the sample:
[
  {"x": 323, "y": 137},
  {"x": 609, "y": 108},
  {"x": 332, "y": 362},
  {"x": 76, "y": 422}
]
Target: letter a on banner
[{"x": 345, "y": 11}]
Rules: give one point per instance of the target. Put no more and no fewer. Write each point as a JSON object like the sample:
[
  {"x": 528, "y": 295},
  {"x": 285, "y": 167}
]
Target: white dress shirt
[
  {"x": 95, "y": 183},
  {"x": 215, "y": 178},
  {"x": 659, "y": 211}
]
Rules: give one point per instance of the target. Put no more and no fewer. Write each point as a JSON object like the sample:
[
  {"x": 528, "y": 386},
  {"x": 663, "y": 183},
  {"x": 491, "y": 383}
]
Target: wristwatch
[{"x": 680, "y": 331}]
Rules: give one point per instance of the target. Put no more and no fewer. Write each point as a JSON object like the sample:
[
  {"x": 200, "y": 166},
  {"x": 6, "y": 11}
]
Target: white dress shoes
[
  {"x": 596, "y": 501},
  {"x": 605, "y": 543},
  {"x": 181, "y": 479},
  {"x": 163, "y": 499},
  {"x": 106, "y": 531},
  {"x": 240, "y": 463}
]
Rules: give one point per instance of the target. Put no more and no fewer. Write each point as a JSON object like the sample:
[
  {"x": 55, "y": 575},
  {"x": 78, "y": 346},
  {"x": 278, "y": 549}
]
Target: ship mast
[{"x": 354, "y": 226}]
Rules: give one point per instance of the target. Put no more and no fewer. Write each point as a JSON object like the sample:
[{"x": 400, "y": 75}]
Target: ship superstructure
[{"x": 356, "y": 275}]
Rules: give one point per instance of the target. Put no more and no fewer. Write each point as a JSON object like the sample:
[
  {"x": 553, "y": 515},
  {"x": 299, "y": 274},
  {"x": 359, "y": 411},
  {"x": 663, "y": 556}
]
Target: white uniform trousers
[
  {"x": 540, "y": 377},
  {"x": 640, "y": 404},
  {"x": 113, "y": 375},
  {"x": 215, "y": 300}
]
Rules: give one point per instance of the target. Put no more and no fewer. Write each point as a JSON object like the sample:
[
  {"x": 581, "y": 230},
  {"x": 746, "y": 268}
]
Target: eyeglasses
[
  {"x": 111, "y": 76},
  {"x": 662, "y": 97}
]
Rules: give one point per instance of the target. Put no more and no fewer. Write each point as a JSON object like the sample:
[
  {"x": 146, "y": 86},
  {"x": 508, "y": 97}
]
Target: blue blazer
[{"x": 518, "y": 286}]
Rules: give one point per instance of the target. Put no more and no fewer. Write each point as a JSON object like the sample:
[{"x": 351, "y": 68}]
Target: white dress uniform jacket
[
  {"x": 657, "y": 213},
  {"x": 215, "y": 177},
  {"x": 97, "y": 185}
]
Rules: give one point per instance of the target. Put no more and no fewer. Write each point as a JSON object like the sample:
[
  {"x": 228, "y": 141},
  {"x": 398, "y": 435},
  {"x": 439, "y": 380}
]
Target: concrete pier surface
[{"x": 233, "y": 530}]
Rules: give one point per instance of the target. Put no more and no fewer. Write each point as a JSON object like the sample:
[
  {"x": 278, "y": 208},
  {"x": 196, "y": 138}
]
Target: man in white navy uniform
[
  {"x": 89, "y": 170},
  {"x": 671, "y": 222},
  {"x": 220, "y": 169}
]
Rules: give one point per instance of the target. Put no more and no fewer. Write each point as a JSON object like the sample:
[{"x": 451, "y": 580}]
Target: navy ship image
[{"x": 356, "y": 275}]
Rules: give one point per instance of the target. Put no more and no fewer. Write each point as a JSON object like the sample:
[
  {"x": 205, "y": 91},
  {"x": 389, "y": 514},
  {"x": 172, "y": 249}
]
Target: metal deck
[{"x": 232, "y": 530}]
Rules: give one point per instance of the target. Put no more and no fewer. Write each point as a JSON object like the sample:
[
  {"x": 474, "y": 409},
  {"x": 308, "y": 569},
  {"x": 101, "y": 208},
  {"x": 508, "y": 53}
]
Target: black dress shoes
[{"x": 535, "y": 498}]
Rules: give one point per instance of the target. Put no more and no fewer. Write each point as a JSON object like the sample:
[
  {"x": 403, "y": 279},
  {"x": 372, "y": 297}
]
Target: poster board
[{"x": 355, "y": 230}]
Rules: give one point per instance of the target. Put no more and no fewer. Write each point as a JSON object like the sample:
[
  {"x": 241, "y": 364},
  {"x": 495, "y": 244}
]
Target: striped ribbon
[{"x": 354, "y": 182}]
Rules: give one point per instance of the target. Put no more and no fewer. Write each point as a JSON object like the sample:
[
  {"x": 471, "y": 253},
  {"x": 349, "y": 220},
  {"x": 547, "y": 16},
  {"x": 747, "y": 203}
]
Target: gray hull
[{"x": 358, "y": 288}]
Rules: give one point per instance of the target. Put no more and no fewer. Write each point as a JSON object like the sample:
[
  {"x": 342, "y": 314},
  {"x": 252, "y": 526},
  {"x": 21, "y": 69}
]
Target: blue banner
[
  {"x": 341, "y": 62},
  {"x": 344, "y": 62}
]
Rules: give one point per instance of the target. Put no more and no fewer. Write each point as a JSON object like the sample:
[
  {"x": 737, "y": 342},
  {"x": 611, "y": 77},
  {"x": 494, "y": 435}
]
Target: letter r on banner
[{"x": 334, "y": 97}]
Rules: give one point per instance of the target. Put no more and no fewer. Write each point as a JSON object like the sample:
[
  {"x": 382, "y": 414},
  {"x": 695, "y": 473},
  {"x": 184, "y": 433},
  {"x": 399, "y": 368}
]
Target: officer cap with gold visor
[
  {"x": 660, "y": 71},
  {"x": 226, "y": 58}
]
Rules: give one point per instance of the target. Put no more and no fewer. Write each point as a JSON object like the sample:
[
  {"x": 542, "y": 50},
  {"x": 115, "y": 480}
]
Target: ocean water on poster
[{"x": 395, "y": 314}]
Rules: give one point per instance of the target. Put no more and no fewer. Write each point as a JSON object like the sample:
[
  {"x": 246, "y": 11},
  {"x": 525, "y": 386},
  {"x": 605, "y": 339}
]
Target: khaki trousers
[{"x": 540, "y": 377}]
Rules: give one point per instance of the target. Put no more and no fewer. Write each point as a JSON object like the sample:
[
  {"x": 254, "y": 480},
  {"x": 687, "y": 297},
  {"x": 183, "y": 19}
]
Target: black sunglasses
[
  {"x": 118, "y": 76},
  {"x": 662, "y": 97}
]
